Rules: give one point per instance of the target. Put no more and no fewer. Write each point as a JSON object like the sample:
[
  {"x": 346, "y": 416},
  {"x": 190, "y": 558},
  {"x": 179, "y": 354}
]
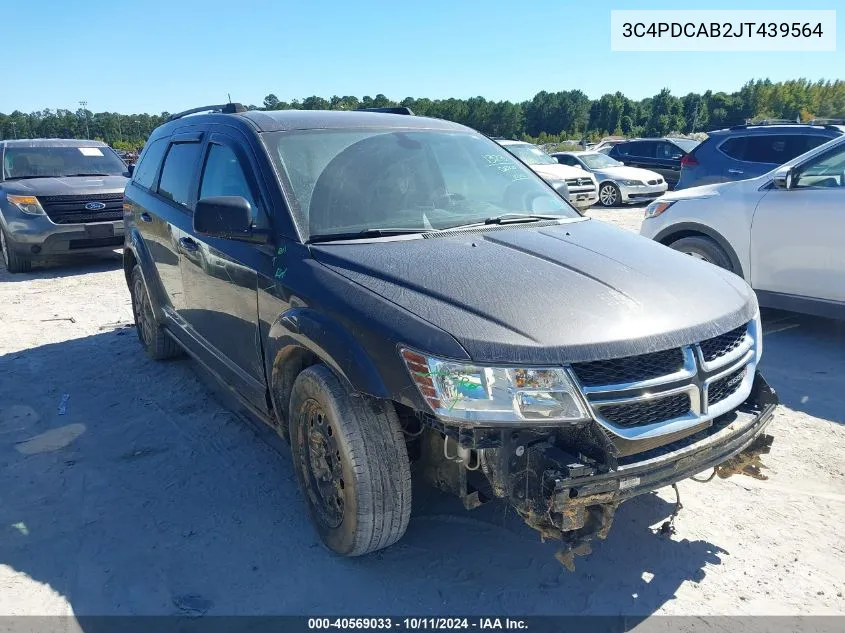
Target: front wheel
[
  {"x": 609, "y": 195},
  {"x": 14, "y": 263},
  {"x": 705, "y": 249},
  {"x": 350, "y": 458}
]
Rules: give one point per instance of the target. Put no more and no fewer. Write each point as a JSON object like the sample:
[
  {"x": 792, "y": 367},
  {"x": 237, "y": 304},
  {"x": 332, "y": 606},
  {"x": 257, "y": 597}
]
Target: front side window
[
  {"x": 223, "y": 175},
  {"x": 178, "y": 172},
  {"x": 20, "y": 163},
  {"x": 669, "y": 151},
  {"x": 146, "y": 169},
  {"x": 827, "y": 170},
  {"x": 346, "y": 181}
]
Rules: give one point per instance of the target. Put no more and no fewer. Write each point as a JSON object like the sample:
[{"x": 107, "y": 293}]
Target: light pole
[
  {"x": 119, "y": 133},
  {"x": 14, "y": 129},
  {"x": 84, "y": 105},
  {"x": 138, "y": 127}
]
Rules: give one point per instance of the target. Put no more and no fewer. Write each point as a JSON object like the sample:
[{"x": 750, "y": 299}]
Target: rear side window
[
  {"x": 643, "y": 150},
  {"x": 145, "y": 170},
  {"x": 178, "y": 172},
  {"x": 772, "y": 149}
]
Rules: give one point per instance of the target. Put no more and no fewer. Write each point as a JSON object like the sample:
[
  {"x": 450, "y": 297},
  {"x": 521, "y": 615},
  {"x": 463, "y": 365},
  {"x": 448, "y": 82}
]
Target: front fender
[{"x": 305, "y": 329}]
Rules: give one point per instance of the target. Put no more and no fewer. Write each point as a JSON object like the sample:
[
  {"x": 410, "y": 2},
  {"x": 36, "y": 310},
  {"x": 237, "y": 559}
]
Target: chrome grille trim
[{"x": 695, "y": 378}]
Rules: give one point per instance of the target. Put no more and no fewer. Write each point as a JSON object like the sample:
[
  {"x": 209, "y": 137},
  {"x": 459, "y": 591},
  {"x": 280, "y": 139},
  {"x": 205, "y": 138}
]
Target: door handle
[
  {"x": 146, "y": 217},
  {"x": 735, "y": 171},
  {"x": 188, "y": 244}
]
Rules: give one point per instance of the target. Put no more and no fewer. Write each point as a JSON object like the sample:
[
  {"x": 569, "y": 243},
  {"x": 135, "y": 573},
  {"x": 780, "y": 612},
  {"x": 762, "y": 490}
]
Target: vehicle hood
[
  {"x": 626, "y": 173},
  {"x": 75, "y": 185},
  {"x": 580, "y": 290},
  {"x": 559, "y": 172}
]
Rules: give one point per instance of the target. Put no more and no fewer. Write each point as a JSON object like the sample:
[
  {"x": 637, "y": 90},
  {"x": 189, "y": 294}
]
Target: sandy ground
[{"x": 129, "y": 487}]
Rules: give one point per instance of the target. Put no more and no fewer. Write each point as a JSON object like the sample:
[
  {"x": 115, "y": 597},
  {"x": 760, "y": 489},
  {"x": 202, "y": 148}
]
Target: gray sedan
[{"x": 618, "y": 184}]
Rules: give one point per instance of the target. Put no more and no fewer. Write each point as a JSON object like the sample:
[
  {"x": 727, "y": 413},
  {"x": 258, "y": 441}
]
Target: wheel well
[
  {"x": 674, "y": 236},
  {"x": 288, "y": 364},
  {"x": 129, "y": 262}
]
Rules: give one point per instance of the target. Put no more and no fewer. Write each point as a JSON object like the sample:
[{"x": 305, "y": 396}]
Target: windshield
[
  {"x": 531, "y": 154},
  {"x": 686, "y": 144},
  {"x": 55, "y": 162},
  {"x": 344, "y": 181},
  {"x": 598, "y": 161}
]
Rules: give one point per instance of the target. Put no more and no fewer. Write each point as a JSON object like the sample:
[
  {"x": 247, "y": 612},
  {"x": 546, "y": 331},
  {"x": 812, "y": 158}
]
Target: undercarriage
[{"x": 567, "y": 482}]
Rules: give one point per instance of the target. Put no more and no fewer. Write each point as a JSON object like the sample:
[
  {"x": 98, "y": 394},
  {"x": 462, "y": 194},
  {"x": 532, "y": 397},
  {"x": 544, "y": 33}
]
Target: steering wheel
[{"x": 520, "y": 195}]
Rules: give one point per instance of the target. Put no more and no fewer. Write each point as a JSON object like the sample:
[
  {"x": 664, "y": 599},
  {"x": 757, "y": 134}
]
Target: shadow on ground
[
  {"x": 804, "y": 360},
  {"x": 65, "y": 266},
  {"x": 147, "y": 497},
  {"x": 129, "y": 489}
]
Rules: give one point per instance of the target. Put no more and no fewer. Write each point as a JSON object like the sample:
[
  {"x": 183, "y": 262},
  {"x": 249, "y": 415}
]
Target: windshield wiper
[
  {"x": 359, "y": 235},
  {"x": 76, "y": 175},
  {"x": 509, "y": 218},
  {"x": 25, "y": 177}
]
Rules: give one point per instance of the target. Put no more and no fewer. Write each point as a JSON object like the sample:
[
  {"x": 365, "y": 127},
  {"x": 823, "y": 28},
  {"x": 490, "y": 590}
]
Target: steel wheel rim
[
  {"x": 143, "y": 310},
  {"x": 608, "y": 195},
  {"x": 320, "y": 463}
]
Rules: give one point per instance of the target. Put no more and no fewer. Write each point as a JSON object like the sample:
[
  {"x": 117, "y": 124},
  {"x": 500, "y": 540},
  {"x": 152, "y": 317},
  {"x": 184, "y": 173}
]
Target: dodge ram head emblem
[{"x": 95, "y": 206}]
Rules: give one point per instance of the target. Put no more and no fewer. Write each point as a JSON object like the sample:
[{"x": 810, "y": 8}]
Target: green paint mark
[
  {"x": 282, "y": 250},
  {"x": 281, "y": 272},
  {"x": 21, "y": 527}
]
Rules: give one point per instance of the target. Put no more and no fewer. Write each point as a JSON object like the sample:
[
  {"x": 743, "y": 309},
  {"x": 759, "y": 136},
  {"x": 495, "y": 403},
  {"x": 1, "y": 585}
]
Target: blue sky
[{"x": 155, "y": 55}]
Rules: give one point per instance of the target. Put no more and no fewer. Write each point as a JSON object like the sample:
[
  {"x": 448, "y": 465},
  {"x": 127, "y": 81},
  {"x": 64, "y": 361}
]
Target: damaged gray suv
[{"x": 395, "y": 293}]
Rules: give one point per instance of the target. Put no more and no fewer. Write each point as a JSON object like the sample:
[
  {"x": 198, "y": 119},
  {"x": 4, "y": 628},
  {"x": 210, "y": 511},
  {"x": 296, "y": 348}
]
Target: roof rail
[
  {"x": 225, "y": 108},
  {"x": 826, "y": 122},
  {"x": 390, "y": 110}
]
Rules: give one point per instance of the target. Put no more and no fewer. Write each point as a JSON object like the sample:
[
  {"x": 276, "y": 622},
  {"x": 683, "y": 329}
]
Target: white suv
[
  {"x": 582, "y": 186},
  {"x": 784, "y": 232}
]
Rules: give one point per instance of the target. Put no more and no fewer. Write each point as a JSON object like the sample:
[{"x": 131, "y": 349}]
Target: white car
[
  {"x": 618, "y": 184},
  {"x": 582, "y": 186},
  {"x": 784, "y": 232}
]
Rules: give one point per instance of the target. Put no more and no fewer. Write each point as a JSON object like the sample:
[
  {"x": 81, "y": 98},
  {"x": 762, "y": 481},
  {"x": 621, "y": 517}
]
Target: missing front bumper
[{"x": 567, "y": 483}]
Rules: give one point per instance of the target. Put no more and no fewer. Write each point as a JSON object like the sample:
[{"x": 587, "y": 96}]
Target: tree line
[{"x": 547, "y": 117}]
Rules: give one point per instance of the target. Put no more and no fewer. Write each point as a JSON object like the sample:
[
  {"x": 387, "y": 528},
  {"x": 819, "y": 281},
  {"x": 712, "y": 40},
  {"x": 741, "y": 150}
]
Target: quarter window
[
  {"x": 146, "y": 169},
  {"x": 177, "y": 175}
]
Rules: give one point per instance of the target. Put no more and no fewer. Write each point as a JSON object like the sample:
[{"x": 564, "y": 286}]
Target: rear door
[
  {"x": 635, "y": 154},
  {"x": 667, "y": 161},
  {"x": 797, "y": 234},
  {"x": 158, "y": 204},
  {"x": 220, "y": 276}
]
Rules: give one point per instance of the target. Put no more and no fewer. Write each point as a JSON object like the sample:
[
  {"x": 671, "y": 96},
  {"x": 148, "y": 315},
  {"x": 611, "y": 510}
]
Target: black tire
[
  {"x": 704, "y": 248},
  {"x": 350, "y": 458},
  {"x": 15, "y": 263},
  {"x": 156, "y": 342},
  {"x": 609, "y": 195}
]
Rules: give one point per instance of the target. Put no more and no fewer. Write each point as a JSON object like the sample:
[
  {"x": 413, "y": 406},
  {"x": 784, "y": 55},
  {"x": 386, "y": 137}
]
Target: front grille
[
  {"x": 629, "y": 369},
  {"x": 647, "y": 411},
  {"x": 580, "y": 182},
  {"x": 70, "y": 209},
  {"x": 725, "y": 387},
  {"x": 724, "y": 344}
]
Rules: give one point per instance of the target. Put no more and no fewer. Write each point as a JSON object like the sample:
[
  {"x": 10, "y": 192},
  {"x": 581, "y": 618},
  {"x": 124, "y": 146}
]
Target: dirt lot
[{"x": 129, "y": 487}]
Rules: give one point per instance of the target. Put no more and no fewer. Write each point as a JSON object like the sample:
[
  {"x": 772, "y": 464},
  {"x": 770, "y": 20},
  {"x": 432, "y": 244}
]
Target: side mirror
[
  {"x": 130, "y": 169},
  {"x": 228, "y": 217},
  {"x": 784, "y": 179}
]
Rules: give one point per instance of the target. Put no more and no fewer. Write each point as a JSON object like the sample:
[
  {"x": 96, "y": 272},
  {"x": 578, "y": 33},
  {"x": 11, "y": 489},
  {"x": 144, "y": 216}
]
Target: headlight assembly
[
  {"x": 631, "y": 183},
  {"x": 27, "y": 204},
  {"x": 463, "y": 392},
  {"x": 657, "y": 207}
]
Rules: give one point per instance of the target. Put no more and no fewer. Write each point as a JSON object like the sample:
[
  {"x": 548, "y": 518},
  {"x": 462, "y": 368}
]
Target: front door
[
  {"x": 797, "y": 234},
  {"x": 220, "y": 279}
]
